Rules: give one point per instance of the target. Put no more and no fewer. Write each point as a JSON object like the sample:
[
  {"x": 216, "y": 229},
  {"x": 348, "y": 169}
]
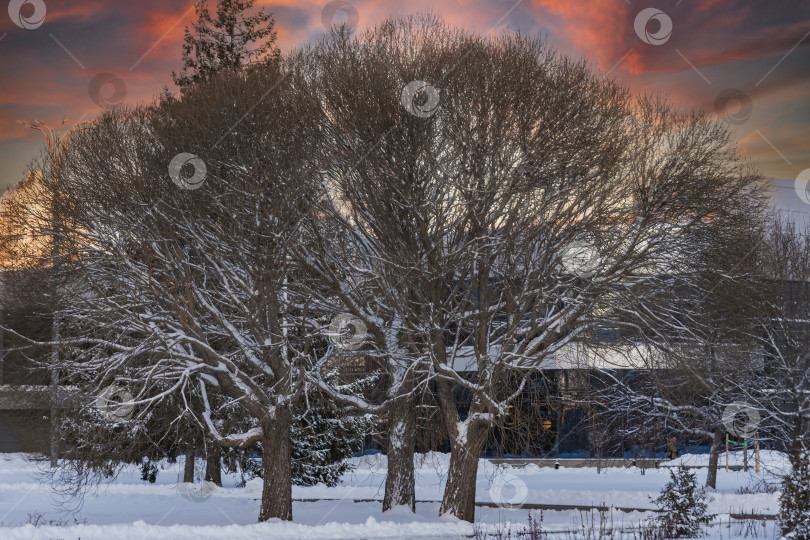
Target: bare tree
[
  {"x": 182, "y": 292},
  {"x": 378, "y": 179},
  {"x": 34, "y": 227},
  {"x": 704, "y": 335},
  {"x": 536, "y": 203},
  {"x": 779, "y": 387}
]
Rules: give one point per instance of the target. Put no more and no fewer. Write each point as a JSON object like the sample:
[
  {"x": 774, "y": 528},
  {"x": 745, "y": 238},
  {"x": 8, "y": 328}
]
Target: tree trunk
[
  {"x": 213, "y": 465},
  {"x": 277, "y": 487},
  {"x": 55, "y": 411},
  {"x": 714, "y": 456},
  {"x": 55, "y": 398},
  {"x": 188, "y": 471},
  {"x": 459, "y": 492},
  {"x": 57, "y": 337},
  {"x": 400, "y": 487}
]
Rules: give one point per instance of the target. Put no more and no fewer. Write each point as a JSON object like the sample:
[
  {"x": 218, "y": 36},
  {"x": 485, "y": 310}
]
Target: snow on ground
[{"x": 130, "y": 509}]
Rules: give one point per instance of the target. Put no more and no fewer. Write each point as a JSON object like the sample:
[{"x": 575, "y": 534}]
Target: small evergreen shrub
[
  {"x": 324, "y": 436},
  {"x": 683, "y": 505},
  {"x": 794, "y": 503}
]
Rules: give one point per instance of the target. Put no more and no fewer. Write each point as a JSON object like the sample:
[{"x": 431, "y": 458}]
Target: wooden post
[
  {"x": 756, "y": 455},
  {"x": 188, "y": 469},
  {"x": 745, "y": 455},
  {"x": 726, "y": 452}
]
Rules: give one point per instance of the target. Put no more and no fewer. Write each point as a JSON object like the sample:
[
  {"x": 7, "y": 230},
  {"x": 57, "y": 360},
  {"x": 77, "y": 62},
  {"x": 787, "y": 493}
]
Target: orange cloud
[{"x": 732, "y": 44}]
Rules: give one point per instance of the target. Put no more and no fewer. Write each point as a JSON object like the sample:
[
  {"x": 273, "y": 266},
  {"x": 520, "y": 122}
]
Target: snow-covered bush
[
  {"x": 683, "y": 505},
  {"x": 324, "y": 435},
  {"x": 794, "y": 504}
]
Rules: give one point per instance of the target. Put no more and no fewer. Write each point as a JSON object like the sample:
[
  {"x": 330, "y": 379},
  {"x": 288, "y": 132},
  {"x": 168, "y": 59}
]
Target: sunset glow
[{"x": 760, "y": 51}]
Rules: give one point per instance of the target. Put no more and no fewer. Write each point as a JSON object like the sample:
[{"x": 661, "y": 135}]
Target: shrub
[
  {"x": 683, "y": 505},
  {"x": 794, "y": 503}
]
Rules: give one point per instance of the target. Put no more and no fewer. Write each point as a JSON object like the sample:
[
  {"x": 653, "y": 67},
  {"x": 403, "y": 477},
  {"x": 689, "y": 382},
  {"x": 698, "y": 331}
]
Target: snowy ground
[{"x": 130, "y": 509}]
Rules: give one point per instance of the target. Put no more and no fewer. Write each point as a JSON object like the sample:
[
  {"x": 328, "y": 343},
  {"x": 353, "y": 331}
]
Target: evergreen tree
[
  {"x": 683, "y": 505},
  {"x": 323, "y": 436},
  {"x": 794, "y": 504},
  {"x": 232, "y": 40}
]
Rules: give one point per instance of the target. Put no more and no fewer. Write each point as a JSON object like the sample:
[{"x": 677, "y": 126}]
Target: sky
[{"x": 744, "y": 62}]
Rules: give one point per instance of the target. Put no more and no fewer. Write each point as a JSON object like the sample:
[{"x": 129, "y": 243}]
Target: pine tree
[
  {"x": 323, "y": 436},
  {"x": 232, "y": 40},
  {"x": 683, "y": 505},
  {"x": 794, "y": 504}
]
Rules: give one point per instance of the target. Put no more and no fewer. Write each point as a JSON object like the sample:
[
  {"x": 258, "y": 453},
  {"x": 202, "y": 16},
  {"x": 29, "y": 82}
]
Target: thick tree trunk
[
  {"x": 399, "y": 483},
  {"x": 714, "y": 456},
  {"x": 188, "y": 471},
  {"x": 277, "y": 487},
  {"x": 459, "y": 492},
  {"x": 213, "y": 465}
]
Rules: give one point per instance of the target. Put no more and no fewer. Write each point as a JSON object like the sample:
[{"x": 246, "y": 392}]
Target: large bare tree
[
  {"x": 535, "y": 203},
  {"x": 182, "y": 217},
  {"x": 378, "y": 177},
  {"x": 702, "y": 324},
  {"x": 777, "y": 394}
]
